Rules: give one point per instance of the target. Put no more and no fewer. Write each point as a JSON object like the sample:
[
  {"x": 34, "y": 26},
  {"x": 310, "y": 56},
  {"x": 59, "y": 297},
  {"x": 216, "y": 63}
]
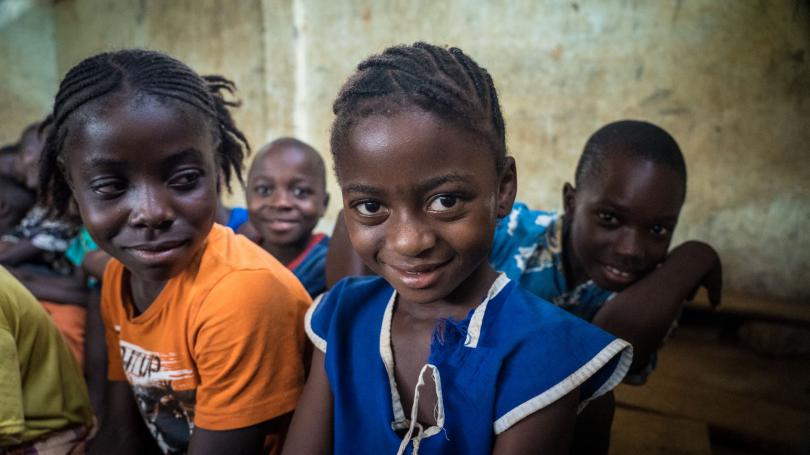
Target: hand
[{"x": 702, "y": 255}]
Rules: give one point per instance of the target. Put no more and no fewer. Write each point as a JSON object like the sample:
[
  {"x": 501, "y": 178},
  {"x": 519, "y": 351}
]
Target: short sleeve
[
  {"x": 115, "y": 366},
  {"x": 516, "y": 238},
  {"x": 248, "y": 344},
  {"x": 320, "y": 314},
  {"x": 574, "y": 355}
]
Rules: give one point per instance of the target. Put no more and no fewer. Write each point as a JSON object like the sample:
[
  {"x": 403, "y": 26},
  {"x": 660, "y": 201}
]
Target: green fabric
[{"x": 41, "y": 386}]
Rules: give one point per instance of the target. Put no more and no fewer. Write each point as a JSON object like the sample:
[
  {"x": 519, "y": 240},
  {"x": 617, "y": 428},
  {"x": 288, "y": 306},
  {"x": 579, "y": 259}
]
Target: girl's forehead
[{"x": 146, "y": 125}]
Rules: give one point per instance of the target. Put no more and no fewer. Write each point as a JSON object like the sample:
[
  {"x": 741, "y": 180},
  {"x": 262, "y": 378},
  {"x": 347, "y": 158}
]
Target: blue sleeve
[
  {"x": 572, "y": 354},
  {"x": 516, "y": 237}
]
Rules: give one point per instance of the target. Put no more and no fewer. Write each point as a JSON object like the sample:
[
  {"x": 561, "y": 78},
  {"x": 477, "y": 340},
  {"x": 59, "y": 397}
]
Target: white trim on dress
[
  {"x": 319, "y": 342},
  {"x": 477, "y": 319},
  {"x": 573, "y": 381}
]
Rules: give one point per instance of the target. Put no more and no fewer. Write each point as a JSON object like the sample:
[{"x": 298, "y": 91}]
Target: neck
[
  {"x": 143, "y": 292},
  {"x": 286, "y": 253}
]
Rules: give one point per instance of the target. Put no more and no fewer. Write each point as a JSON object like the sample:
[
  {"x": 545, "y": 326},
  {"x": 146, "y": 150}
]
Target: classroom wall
[
  {"x": 730, "y": 80},
  {"x": 27, "y": 61}
]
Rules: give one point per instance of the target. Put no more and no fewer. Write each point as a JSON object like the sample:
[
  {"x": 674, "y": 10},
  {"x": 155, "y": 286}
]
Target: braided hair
[
  {"x": 633, "y": 138},
  {"x": 136, "y": 71},
  {"x": 445, "y": 82}
]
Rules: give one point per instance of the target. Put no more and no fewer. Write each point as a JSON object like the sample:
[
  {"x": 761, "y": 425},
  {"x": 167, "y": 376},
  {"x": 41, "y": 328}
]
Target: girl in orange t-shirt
[{"x": 202, "y": 326}]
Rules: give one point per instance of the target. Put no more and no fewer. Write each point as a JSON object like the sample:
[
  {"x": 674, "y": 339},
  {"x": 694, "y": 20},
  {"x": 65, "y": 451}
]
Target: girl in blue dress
[{"x": 439, "y": 353}]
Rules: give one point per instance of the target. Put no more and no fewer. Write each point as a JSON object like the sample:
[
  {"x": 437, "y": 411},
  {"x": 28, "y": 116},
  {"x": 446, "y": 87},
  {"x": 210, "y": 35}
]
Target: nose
[
  {"x": 280, "y": 199},
  {"x": 629, "y": 246},
  {"x": 411, "y": 237},
  {"x": 152, "y": 209}
]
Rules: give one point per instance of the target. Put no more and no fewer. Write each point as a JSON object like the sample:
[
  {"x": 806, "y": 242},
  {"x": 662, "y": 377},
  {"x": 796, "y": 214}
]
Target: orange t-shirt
[{"x": 221, "y": 347}]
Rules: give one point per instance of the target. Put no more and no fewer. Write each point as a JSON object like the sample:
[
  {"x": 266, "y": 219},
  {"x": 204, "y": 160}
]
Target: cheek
[{"x": 365, "y": 239}]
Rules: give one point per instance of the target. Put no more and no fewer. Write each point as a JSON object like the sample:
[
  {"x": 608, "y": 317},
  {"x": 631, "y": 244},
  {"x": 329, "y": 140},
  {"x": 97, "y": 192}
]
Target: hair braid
[
  {"x": 136, "y": 71},
  {"x": 442, "y": 81}
]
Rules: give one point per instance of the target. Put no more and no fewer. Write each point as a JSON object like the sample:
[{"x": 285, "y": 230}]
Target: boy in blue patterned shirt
[{"x": 606, "y": 258}]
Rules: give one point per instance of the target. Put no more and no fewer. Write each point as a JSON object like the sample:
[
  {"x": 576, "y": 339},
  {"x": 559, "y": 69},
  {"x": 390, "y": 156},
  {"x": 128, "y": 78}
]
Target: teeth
[{"x": 618, "y": 272}]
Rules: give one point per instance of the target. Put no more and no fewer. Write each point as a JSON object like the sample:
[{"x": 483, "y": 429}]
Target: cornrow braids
[
  {"x": 443, "y": 81},
  {"x": 136, "y": 71}
]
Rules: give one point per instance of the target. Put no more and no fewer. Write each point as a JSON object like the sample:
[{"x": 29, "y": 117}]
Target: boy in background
[{"x": 286, "y": 197}]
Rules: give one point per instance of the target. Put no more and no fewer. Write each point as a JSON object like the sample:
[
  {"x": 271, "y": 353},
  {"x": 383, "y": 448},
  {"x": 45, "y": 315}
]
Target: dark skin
[
  {"x": 152, "y": 211},
  {"x": 58, "y": 289},
  {"x": 424, "y": 221},
  {"x": 620, "y": 227},
  {"x": 286, "y": 196}
]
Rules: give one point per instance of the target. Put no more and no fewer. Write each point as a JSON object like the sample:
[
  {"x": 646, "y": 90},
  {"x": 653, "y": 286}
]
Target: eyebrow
[
  {"x": 421, "y": 187},
  {"x": 435, "y": 182},
  {"x": 180, "y": 156}
]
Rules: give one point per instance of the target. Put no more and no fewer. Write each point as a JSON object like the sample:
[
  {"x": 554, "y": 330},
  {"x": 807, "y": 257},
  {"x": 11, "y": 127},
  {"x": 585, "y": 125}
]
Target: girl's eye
[
  {"x": 369, "y": 208},
  {"x": 607, "y": 217},
  {"x": 185, "y": 179},
  {"x": 108, "y": 187},
  {"x": 443, "y": 203},
  {"x": 660, "y": 230}
]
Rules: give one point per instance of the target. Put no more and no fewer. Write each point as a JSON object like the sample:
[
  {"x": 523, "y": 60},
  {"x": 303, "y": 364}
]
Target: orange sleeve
[
  {"x": 248, "y": 344},
  {"x": 110, "y": 287}
]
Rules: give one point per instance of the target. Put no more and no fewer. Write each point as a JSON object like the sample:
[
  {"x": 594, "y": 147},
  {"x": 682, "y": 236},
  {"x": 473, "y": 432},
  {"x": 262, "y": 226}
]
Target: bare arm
[
  {"x": 643, "y": 313},
  {"x": 123, "y": 431},
  {"x": 14, "y": 253},
  {"x": 547, "y": 431},
  {"x": 60, "y": 289},
  {"x": 248, "y": 440},
  {"x": 311, "y": 429},
  {"x": 341, "y": 259},
  {"x": 94, "y": 263}
]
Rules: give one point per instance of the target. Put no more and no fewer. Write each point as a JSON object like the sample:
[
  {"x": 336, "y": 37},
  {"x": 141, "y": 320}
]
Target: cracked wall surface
[{"x": 729, "y": 80}]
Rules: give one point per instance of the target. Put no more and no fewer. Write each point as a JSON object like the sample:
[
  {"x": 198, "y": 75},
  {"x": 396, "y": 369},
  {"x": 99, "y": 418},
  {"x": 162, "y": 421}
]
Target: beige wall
[
  {"x": 730, "y": 80},
  {"x": 28, "y": 65}
]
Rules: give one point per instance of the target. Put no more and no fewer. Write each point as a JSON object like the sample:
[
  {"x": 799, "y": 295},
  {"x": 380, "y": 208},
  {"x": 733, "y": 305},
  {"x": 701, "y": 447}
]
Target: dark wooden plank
[
  {"x": 739, "y": 303},
  {"x": 640, "y": 432}
]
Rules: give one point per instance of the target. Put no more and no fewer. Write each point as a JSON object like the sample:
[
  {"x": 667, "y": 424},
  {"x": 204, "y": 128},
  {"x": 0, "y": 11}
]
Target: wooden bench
[
  {"x": 742, "y": 304},
  {"x": 640, "y": 432}
]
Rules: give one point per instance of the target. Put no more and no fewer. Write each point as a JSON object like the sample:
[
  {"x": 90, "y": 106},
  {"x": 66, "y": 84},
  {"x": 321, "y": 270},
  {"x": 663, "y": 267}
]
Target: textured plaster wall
[
  {"x": 27, "y": 59},
  {"x": 212, "y": 36},
  {"x": 730, "y": 80}
]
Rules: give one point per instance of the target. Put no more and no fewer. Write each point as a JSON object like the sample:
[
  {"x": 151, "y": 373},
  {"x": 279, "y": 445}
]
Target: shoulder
[
  {"x": 230, "y": 255},
  {"x": 547, "y": 353},
  {"x": 235, "y": 275},
  {"x": 347, "y": 305}
]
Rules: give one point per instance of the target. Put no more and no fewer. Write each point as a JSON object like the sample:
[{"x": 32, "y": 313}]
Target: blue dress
[{"x": 513, "y": 355}]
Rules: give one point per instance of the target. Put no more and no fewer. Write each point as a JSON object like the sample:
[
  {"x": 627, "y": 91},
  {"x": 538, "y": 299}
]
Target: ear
[
  {"x": 507, "y": 187},
  {"x": 325, "y": 202},
  {"x": 569, "y": 194}
]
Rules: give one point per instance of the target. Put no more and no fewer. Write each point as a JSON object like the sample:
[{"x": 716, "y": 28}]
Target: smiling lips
[
  {"x": 282, "y": 225},
  {"x": 153, "y": 253},
  {"x": 419, "y": 276},
  {"x": 619, "y": 276}
]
